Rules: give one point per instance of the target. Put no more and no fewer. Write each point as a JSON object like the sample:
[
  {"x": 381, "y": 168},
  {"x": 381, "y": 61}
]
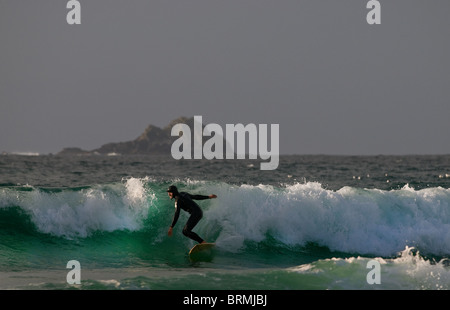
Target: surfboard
[
  {"x": 202, "y": 252},
  {"x": 201, "y": 247}
]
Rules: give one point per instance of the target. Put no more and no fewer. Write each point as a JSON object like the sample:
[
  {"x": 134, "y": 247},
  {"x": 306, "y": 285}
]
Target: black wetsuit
[{"x": 185, "y": 202}]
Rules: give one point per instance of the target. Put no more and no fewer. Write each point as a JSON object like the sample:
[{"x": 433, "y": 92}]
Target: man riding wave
[{"x": 185, "y": 201}]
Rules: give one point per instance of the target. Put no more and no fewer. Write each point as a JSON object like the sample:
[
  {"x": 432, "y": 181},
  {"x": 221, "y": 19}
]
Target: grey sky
[{"x": 335, "y": 84}]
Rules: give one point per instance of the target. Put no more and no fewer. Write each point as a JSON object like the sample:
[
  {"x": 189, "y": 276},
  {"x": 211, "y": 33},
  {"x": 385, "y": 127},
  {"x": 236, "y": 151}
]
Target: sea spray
[
  {"x": 79, "y": 213},
  {"x": 351, "y": 220},
  {"x": 408, "y": 270},
  {"x": 366, "y": 221}
]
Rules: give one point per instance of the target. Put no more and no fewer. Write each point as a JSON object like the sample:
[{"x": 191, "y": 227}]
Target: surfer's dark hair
[{"x": 173, "y": 189}]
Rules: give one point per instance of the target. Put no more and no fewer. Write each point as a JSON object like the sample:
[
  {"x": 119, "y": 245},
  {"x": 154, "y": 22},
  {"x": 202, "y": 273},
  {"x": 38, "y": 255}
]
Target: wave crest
[
  {"x": 351, "y": 220},
  {"x": 80, "y": 213}
]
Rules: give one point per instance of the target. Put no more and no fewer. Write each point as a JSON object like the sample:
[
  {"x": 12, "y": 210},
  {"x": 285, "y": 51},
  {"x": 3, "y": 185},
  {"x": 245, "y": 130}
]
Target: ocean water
[{"x": 317, "y": 222}]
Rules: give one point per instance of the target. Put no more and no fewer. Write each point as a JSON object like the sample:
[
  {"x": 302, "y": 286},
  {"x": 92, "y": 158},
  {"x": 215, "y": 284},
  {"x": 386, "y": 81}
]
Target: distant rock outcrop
[
  {"x": 73, "y": 151},
  {"x": 153, "y": 141}
]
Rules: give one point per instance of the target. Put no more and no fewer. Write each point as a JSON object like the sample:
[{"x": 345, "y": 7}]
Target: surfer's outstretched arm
[{"x": 202, "y": 197}]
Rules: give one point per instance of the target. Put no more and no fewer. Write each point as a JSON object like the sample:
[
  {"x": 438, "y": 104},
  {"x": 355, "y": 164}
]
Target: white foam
[
  {"x": 365, "y": 221},
  {"x": 409, "y": 270},
  {"x": 351, "y": 220},
  {"x": 81, "y": 213}
]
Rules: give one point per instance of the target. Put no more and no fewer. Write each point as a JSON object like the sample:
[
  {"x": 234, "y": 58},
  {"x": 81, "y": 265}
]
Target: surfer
[{"x": 185, "y": 201}]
